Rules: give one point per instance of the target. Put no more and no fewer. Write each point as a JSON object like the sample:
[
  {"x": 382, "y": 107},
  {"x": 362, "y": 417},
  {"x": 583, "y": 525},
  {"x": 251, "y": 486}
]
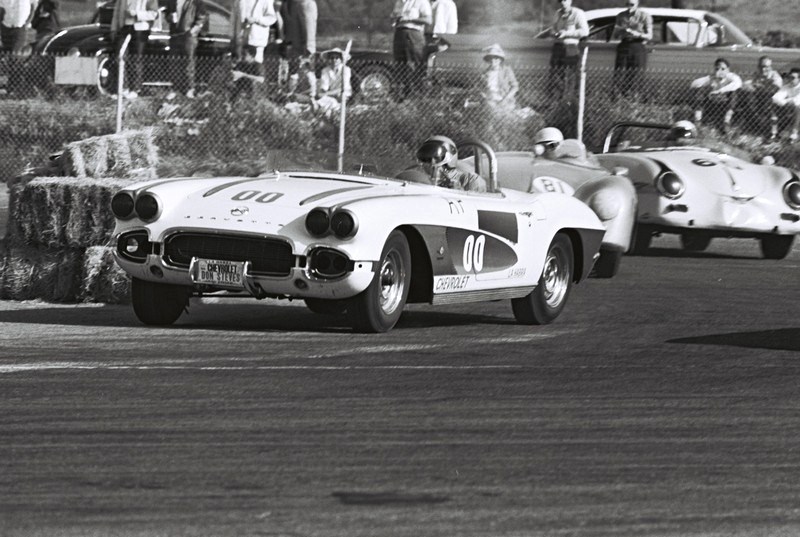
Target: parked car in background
[
  {"x": 699, "y": 193},
  {"x": 684, "y": 41},
  {"x": 358, "y": 245},
  {"x": 84, "y": 53}
]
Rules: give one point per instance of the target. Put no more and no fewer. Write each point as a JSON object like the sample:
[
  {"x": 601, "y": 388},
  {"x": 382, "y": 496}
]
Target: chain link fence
[{"x": 243, "y": 116}]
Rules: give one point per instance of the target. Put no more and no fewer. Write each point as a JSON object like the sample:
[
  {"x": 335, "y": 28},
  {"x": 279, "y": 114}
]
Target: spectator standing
[
  {"x": 569, "y": 27},
  {"x": 299, "y": 43},
  {"x": 788, "y": 99},
  {"x": 410, "y": 18},
  {"x": 716, "y": 95},
  {"x": 16, "y": 19},
  {"x": 445, "y": 17},
  {"x": 499, "y": 82},
  {"x": 134, "y": 18},
  {"x": 251, "y": 33},
  {"x": 334, "y": 82},
  {"x": 634, "y": 28},
  {"x": 186, "y": 19},
  {"x": 758, "y": 92},
  {"x": 45, "y": 21}
]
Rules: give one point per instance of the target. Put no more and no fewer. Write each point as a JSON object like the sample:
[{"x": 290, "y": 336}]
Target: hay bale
[
  {"x": 130, "y": 154},
  {"x": 103, "y": 280},
  {"x": 30, "y": 272},
  {"x": 63, "y": 212}
]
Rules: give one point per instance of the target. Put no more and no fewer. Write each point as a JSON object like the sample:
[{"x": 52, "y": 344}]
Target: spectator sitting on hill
[
  {"x": 334, "y": 82},
  {"x": 757, "y": 92},
  {"x": 788, "y": 99},
  {"x": 302, "y": 90},
  {"x": 499, "y": 82},
  {"x": 716, "y": 94}
]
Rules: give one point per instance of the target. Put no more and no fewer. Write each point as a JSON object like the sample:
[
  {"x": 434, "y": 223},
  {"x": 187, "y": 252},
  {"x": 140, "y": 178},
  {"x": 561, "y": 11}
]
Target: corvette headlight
[
  {"x": 318, "y": 222},
  {"x": 791, "y": 194},
  {"x": 606, "y": 205},
  {"x": 147, "y": 207},
  {"x": 670, "y": 185},
  {"x": 122, "y": 205},
  {"x": 344, "y": 224}
]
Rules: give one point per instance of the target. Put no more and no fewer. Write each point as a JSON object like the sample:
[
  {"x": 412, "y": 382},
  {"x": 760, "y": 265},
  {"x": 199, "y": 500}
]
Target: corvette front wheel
[
  {"x": 158, "y": 304},
  {"x": 378, "y": 308},
  {"x": 548, "y": 299},
  {"x": 322, "y": 306}
]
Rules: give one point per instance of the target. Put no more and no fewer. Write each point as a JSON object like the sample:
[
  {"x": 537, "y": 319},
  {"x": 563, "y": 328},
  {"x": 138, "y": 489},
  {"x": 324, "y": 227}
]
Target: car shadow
[
  {"x": 234, "y": 318},
  {"x": 684, "y": 254},
  {"x": 783, "y": 339}
]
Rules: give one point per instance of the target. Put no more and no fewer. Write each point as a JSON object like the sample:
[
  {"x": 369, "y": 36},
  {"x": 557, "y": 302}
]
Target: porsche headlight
[
  {"x": 670, "y": 185},
  {"x": 74, "y": 52},
  {"x": 791, "y": 194}
]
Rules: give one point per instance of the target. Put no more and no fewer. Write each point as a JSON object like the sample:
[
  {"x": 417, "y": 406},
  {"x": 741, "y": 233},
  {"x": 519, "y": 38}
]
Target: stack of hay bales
[{"x": 60, "y": 222}]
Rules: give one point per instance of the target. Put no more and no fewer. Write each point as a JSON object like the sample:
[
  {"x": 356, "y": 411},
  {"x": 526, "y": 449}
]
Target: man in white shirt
[
  {"x": 445, "y": 17},
  {"x": 410, "y": 18},
  {"x": 13, "y": 30},
  {"x": 788, "y": 101}
]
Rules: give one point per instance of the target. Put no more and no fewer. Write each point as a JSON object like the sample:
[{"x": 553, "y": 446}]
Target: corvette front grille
[{"x": 269, "y": 257}]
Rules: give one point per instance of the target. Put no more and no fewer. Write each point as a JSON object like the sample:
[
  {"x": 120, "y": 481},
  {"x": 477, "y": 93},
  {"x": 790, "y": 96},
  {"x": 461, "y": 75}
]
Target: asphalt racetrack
[{"x": 663, "y": 402}]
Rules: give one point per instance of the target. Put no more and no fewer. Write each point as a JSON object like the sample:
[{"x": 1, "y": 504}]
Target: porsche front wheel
[
  {"x": 158, "y": 304},
  {"x": 548, "y": 299},
  {"x": 378, "y": 308}
]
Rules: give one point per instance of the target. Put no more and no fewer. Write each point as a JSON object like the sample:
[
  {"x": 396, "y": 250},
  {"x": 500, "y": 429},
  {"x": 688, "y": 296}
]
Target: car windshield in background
[{"x": 730, "y": 33}]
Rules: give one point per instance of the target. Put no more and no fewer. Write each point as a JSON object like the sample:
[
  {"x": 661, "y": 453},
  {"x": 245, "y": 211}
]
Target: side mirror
[
  {"x": 621, "y": 171},
  {"x": 767, "y": 160},
  {"x": 538, "y": 150}
]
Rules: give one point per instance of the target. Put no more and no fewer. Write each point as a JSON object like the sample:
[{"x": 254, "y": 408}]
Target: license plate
[{"x": 218, "y": 272}]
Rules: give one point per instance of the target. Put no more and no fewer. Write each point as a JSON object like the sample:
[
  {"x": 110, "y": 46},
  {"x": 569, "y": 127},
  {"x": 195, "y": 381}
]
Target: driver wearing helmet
[
  {"x": 550, "y": 139},
  {"x": 438, "y": 156},
  {"x": 683, "y": 133}
]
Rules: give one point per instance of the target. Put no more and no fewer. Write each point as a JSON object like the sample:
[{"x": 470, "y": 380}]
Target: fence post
[
  {"x": 582, "y": 94},
  {"x": 343, "y": 109},
  {"x": 121, "y": 79}
]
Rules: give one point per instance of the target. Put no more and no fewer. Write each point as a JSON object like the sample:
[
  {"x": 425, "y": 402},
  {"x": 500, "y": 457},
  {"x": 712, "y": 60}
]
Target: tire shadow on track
[{"x": 784, "y": 339}]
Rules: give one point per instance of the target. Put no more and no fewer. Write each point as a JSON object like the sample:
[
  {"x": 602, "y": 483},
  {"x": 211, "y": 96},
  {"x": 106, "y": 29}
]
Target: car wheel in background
[
  {"x": 158, "y": 303},
  {"x": 546, "y": 301},
  {"x": 607, "y": 264},
  {"x": 642, "y": 236},
  {"x": 776, "y": 246},
  {"x": 107, "y": 76},
  {"x": 326, "y": 307},
  {"x": 374, "y": 83},
  {"x": 378, "y": 308},
  {"x": 695, "y": 242}
]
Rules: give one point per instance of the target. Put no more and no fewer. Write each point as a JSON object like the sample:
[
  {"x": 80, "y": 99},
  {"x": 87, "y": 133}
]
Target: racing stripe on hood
[
  {"x": 322, "y": 195},
  {"x": 501, "y": 224},
  {"x": 222, "y": 187}
]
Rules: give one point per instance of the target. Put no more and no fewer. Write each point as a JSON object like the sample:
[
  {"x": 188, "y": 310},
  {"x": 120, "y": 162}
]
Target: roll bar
[{"x": 479, "y": 146}]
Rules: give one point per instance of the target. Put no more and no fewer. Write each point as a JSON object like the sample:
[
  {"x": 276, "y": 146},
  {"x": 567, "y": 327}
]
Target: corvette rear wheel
[
  {"x": 546, "y": 301},
  {"x": 158, "y": 304},
  {"x": 326, "y": 307},
  {"x": 378, "y": 308},
  {"x": 777, "y": 246}
]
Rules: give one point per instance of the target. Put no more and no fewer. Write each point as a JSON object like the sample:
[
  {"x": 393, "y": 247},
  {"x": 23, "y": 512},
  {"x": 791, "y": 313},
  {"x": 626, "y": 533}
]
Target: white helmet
[
  {"x": 682, "y": 130},
  {"x": 438, "y": 151},
  {"x": 548, "y": 135}
]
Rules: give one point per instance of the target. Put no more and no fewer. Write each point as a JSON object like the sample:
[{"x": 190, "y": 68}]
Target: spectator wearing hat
[
  {"x": 334, "y": 82},
  {"x": 716, "y": 95},
  {"x": 134, "y": 18},
  {"x": 569, "y": 27},
  {"x": 788, "y": 101},
  {"x": 15, "y": 21},
  {"x": 186, "y": 19},
  {"x": 499, "y": 82},
  {"x": 410, "y": 18},
  {"x": 634, "y": 28}
]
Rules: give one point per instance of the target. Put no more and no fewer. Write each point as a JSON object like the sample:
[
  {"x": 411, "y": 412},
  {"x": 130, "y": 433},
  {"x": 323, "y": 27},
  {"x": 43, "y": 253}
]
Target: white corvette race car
[
  {"x": 353, "y": 244},
  {"x": 699, "y": 193}
]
